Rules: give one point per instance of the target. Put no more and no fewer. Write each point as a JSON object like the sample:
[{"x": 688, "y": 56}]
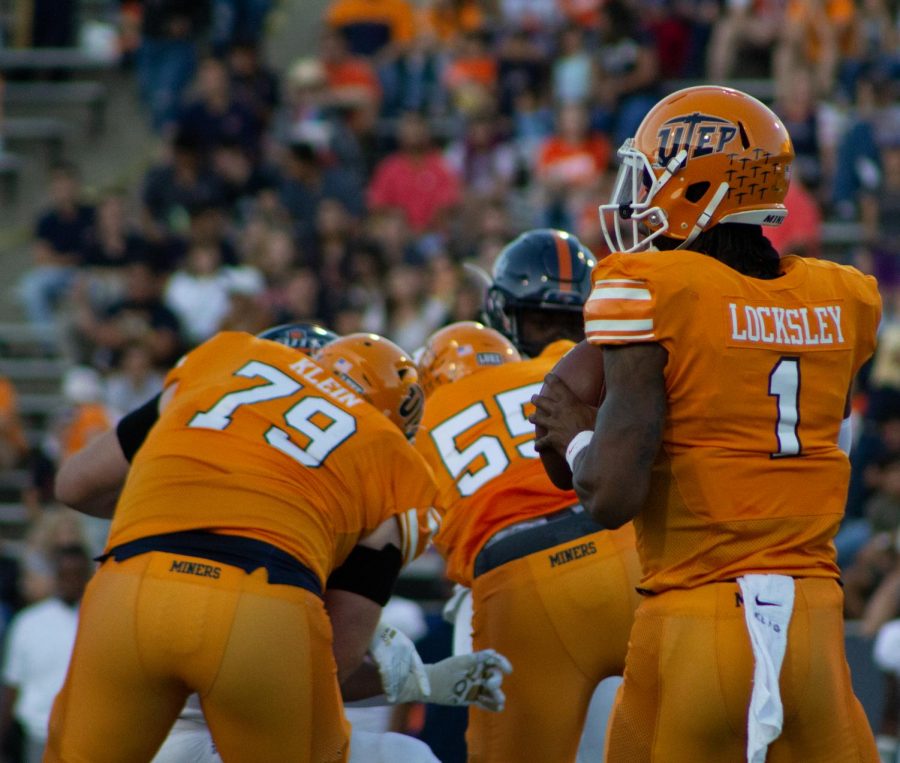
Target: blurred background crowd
[{"x": 368, "y": 182}]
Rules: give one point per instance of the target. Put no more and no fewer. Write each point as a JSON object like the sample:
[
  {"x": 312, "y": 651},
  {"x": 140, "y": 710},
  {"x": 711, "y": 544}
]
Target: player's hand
[
  {"x": 398, "y": 664},
  {"x": 454, "y": 603},
  {"x": 561, "y": 414},
  {"x": 468, "y": 679}
]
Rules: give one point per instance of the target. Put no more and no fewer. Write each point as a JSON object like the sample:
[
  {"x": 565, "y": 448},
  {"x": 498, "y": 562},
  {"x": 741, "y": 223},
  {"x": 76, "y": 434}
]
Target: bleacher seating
[
  {"x": 88, "y": 93},
  {"x": 50, "y": 132},
  {"x": 49, "y": 59}
]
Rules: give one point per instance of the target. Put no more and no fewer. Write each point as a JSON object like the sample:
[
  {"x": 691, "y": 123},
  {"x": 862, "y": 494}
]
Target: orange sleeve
[{"x": 622, "y": 306}]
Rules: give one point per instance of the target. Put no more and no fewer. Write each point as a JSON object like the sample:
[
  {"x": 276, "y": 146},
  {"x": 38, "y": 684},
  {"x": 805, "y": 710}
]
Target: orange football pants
[
  {"x": 155, "y": 628},
  {"x": 564, "y": 624},
  {"x": 689, "y": 674}
]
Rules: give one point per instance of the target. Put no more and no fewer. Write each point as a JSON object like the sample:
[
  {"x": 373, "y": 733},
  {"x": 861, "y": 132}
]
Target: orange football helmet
[
  {"x": 702, "y": 156},
  {"x": 460, "y": 349},
  {"x": 381, "y": 372}
]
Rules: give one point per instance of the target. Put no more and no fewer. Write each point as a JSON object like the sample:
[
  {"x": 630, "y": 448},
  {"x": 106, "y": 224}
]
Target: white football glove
[
  {"x": 467, "y": 679},
  {"x": 398, "y": 664}
]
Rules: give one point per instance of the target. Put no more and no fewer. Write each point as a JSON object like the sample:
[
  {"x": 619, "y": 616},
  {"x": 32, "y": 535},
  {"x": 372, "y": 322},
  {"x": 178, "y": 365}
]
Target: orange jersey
[
  {"x": 477, "y": 438},
  {"x": 749, "y": 477},
  {"x": 88, "y": 421},
  {"x": 10, "y": 423},
  {"x": 259, "y": 441}
]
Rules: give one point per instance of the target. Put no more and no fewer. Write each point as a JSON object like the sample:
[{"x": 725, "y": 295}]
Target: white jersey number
[
  {"x": 317, "y": 441},
  {"x": 784, "y": 385},
  {"x": 485, "y": 458}
]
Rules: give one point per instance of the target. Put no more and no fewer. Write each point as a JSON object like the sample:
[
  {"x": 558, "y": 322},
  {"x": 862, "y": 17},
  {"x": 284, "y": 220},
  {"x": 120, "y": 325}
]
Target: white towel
[{"x": 768, "y": 605}]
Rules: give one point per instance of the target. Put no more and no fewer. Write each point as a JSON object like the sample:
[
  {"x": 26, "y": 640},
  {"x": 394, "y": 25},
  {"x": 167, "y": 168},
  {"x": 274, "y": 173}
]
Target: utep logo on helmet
[{"x": 705, "y": 133}]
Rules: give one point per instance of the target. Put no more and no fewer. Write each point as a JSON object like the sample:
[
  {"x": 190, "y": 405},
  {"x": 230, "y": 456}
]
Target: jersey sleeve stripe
[
  {"x": 620, "y": 292},
  {"x": 618, "y": 282},
  {"x": 618, "y": 325},
  {"x": 600, "y": 337}
]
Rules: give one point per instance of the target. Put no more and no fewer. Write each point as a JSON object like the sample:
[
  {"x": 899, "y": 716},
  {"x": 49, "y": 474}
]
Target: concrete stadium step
[
  {"x": 18, "y": 338},
  {"x": 39, "y": 403},
  {"x": 32, "y": 369}
]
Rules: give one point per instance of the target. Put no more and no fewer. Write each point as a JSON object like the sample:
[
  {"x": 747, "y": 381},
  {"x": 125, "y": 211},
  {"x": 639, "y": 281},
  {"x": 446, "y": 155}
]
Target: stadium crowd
[{"x": 370, "y": 185}]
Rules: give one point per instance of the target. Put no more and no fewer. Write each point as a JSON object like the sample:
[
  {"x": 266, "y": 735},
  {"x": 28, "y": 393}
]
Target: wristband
[{"x": 579, "y": 443}]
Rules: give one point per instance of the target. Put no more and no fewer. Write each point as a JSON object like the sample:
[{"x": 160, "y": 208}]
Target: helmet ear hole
[{"x": 696, "y": 191}]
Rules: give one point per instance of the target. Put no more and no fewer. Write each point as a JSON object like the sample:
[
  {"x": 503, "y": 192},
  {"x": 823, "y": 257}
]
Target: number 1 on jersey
[{"x": 784, "y": 385}]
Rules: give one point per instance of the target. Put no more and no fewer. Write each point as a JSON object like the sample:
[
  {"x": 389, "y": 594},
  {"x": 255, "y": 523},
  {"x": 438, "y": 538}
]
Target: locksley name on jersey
[{"x": 818, "y": 326}]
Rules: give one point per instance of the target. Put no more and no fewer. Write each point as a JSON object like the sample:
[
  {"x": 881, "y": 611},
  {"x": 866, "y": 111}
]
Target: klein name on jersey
[
  {"x": 317, "y": 377},
  {"x": 811, "y": 326}
]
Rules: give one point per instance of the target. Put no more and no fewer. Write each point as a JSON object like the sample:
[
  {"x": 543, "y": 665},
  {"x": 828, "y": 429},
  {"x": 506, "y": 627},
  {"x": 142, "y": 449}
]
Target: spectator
[
  {"x": 573, "y": 70},
  {"x": 569, "y": 163},
  {"x": 881, "y": 210},
  {"x": 412, "y": 81},
  {"x": 413, "y": 313},
  {"x": 13, "y": 445},
  {"x": 254, "y": 86},
  {"x": 62, "y": 235},
  {"x": 199, "y": 293},
  {"x": 366, "y": 272},
  {"x": 40, "y": 642},
  {"x": 470, "y": 74},
  {"x": 374, "y": 27},
  {"x": 134, "y": 381},
  {"x": 858, "y": 164},
  {"x": 115, "y": 243},
  {"x": 485, "y": 163},
  {"x": 308, "y": 179},
  {"x": 175, "y": 186},
  {"x": 801, "y": 232},
  {"x": 170, "y": 34},
  {"x": 352, "y": 80},
  {"x": 628, "y": 76},
  {"x": 53, "y": 24},
  {"x": 215, "y": 115},
  {"x": 415, "y": 179},
  {"x": 241, "y": 179},
  {"x": 814, "y": 33},
  {"x": 139, "y": 316},
  {"x": 522, "y": 69},
  {"x": 798, "y": 110},
  {"x": 238, "y": 22},
  {"x": 746, "y": 32},
  {"x": 84, "y": 417}
]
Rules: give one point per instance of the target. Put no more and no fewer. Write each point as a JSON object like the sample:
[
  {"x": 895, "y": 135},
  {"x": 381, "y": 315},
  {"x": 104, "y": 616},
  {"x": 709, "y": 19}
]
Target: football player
[
  {"x": 724, "y": 435},
  {"x": 541, "y": 571},
  {"x": 266, "y": 474},
  {"x": 403, "y": 676}
]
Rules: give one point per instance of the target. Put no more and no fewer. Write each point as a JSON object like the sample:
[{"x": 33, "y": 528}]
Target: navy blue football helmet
[{"x": 540, "y": 283}]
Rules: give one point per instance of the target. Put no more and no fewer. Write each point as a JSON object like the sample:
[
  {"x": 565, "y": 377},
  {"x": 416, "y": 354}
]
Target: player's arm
[
  {"x": 91, "y": 479},
  {"x": 612, "y": 474},
  {"x": 611, "y": 465},
  {"x": 357, "y": 591}
]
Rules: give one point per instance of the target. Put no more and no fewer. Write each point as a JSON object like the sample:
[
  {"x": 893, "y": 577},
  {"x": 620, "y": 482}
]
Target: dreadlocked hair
[{"x": 742, "y": 247}]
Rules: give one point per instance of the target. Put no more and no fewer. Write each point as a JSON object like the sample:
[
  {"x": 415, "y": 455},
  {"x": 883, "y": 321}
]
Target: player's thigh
[
  {"x": 823, "y": 720},
  {"x": 687, "y": 681},
  {"x": 110, "y": 708},
  {"x": 509, "y": 617},
  {"x": 276, "y": 695}
]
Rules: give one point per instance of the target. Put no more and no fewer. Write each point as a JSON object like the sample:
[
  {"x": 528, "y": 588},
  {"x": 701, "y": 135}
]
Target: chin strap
[{"x": 706, "y": 216}]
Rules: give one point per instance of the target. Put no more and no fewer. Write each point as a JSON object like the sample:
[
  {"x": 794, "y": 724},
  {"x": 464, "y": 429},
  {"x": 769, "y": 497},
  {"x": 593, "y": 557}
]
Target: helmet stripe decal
[{"x": 565, "y": 262}]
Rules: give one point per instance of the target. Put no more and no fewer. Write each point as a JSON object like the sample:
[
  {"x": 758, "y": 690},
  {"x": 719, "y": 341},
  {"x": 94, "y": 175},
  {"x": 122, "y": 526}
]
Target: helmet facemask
[{"x": 630, "y": 222}]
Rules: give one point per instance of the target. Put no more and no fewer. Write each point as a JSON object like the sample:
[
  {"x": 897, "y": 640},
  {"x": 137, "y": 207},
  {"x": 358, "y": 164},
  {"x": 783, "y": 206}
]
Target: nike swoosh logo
[{"x": 766, "y": 603}]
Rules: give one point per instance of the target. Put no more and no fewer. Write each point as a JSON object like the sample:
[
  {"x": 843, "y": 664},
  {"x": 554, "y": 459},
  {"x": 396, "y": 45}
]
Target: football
[{"x": 581, "y": 368}]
